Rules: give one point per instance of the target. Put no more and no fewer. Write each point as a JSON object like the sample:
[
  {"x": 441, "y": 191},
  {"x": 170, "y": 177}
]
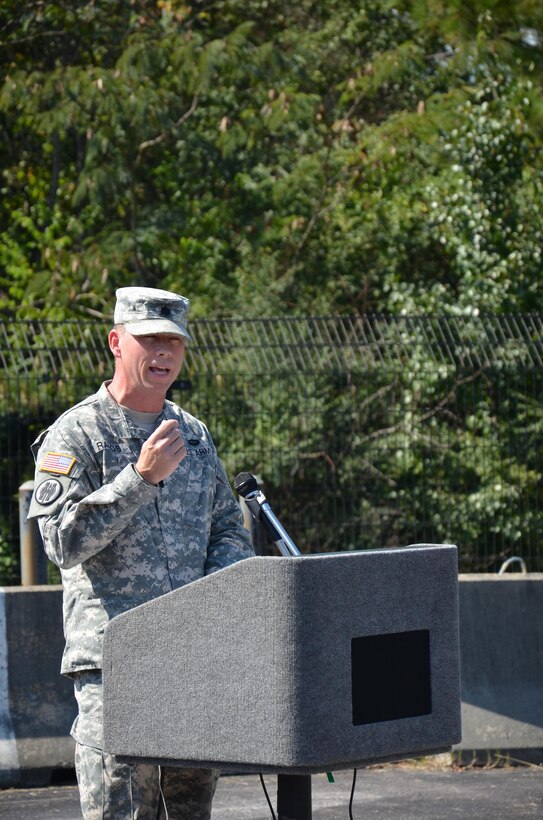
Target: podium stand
[{"x": 291, "y": 665}]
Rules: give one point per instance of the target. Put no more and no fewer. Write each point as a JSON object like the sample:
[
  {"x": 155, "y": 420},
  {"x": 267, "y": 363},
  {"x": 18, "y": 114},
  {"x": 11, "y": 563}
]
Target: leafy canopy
[{"x": 271, "y": 157}]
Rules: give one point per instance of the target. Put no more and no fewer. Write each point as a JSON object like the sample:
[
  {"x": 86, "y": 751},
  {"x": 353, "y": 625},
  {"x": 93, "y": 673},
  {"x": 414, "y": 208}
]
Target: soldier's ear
[{"x": 114, "y": 339}]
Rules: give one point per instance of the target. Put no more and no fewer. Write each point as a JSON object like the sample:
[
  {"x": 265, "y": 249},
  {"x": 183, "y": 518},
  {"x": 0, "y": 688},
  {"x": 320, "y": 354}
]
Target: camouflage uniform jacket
[{"x": 118, "y": 540}]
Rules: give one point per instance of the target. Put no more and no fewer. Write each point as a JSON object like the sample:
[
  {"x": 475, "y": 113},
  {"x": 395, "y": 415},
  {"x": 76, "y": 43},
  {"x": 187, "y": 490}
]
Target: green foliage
[
  {"x": 271, "y": 158},
  {"x": 268, "y": 156},
  {"x": 9, "y": 569}
]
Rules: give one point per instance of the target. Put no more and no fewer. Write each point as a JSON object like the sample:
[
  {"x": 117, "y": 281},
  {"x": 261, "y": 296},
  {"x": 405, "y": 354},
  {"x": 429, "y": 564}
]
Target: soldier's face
[{"x": 148, "y": 362}]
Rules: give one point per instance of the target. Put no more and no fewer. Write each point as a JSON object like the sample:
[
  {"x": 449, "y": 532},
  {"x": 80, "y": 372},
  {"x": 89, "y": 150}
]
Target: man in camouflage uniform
[{"x": 132, "y": 502}]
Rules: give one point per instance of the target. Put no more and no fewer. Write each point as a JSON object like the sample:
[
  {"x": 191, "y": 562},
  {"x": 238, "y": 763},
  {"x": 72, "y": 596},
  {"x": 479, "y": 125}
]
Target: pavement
[{"x": 390, "y": 792}]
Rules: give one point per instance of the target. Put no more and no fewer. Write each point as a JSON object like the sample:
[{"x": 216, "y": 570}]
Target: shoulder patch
[
  {"x": 59, "y": 463},
  {"x": 48, "y": 491}
]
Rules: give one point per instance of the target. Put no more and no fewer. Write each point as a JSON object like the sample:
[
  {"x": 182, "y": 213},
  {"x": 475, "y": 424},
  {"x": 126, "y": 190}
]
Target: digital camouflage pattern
[
  {"x": 151, "y": 310},
  {"x": 109, "y": 788},
  {"x": 118, "y": 540}
]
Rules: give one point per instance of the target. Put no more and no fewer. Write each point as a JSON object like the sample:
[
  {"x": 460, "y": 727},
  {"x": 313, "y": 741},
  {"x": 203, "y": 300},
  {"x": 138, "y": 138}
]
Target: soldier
[{"x": 132, "y": 502}]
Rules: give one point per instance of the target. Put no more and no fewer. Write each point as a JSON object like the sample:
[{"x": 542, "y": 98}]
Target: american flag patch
[{"x": 59, "y": 463}]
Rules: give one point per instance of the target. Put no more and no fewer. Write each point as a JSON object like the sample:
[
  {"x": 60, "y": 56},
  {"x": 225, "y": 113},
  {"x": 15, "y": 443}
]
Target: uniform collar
[{"x": 117, "y": 419}]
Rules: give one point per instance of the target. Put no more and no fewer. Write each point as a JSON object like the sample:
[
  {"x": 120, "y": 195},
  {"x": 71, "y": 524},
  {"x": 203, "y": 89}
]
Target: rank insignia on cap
[{"x": 60, "y": 463}]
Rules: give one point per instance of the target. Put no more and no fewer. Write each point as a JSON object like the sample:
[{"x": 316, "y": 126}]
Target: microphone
[{"x": 246, "y": 486}]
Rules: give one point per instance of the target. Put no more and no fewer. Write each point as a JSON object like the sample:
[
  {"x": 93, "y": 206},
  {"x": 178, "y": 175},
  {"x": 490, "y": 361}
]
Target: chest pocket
[
  {"x": 112, "y": 459},
  {"x": 195, "y": 491}
]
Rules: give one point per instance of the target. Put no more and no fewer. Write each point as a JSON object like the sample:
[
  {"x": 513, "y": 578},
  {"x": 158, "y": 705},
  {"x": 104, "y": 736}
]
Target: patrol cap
[{"x": 149, "y": 310}]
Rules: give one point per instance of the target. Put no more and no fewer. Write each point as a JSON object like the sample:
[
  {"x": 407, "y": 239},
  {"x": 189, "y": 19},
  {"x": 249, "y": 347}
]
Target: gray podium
[{"x": 291, "y": 665}]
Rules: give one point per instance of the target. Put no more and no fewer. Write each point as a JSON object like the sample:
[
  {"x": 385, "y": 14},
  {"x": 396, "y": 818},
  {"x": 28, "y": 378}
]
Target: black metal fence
[{"x": 366, "y": 431}]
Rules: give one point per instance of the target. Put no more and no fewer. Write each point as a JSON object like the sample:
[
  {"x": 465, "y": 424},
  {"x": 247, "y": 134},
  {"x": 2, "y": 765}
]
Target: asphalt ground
[{"x": 381, "y": 793}]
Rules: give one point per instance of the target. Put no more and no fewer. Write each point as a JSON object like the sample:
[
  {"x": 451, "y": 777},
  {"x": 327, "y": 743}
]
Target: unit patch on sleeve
[
  {"x": 48, "y": 491},
  {"x": 59, "y": 463}
]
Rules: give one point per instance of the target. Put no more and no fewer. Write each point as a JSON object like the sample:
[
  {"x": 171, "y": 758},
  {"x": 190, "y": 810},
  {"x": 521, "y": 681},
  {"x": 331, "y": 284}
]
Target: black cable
[
  {"x": 271, "y": 807},
  {"x": 352, "y": 796},
  {"x": 267, "y": 796}
]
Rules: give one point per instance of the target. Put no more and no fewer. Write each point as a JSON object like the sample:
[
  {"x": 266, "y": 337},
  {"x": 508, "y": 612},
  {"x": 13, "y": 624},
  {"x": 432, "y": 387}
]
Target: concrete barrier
[
  {"x": 37, "y": 705},
  {"x": 501, "y": 641}
]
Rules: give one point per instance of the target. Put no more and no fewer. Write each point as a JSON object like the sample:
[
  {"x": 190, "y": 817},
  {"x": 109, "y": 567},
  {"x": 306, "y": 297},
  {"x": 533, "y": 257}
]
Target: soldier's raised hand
[{"x": 163, "y": 451}]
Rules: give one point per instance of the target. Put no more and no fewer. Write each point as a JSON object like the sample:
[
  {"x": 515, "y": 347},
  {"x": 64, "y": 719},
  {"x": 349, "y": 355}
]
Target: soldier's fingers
[
  {"x": 174, "y": 440},
  {"x": 176, "y": 445},
  {"x": 169, "y": 427},
  {"x": 164, "y": 430}
]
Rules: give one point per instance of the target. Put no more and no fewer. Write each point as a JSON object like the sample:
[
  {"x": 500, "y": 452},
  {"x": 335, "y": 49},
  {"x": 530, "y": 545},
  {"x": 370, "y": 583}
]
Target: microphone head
[{"x": 245, "y": 483}]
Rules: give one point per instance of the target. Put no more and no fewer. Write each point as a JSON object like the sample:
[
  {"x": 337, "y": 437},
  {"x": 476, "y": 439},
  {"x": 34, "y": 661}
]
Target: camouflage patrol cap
[{"x": 144, "y": 311}]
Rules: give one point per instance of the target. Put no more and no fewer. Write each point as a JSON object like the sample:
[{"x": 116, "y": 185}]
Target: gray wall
[
  {"x": 37, "y": 705},
  {"x": 501, "y": 639},
  {"x": 501, "y": 634}
]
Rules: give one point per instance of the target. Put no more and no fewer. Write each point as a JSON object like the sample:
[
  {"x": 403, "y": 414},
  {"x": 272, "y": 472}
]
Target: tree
[{"x": 271, "y": 157}]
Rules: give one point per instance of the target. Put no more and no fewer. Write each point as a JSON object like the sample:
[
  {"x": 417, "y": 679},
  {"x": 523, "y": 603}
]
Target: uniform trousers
[{"x": 114, "y": 790}]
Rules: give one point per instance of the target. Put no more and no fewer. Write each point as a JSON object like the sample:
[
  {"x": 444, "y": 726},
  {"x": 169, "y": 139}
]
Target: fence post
[{"x": 33, "y": 559}]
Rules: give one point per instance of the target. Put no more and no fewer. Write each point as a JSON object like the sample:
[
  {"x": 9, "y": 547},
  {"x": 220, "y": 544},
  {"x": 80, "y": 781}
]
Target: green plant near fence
[{"x": 366, "y": 431}]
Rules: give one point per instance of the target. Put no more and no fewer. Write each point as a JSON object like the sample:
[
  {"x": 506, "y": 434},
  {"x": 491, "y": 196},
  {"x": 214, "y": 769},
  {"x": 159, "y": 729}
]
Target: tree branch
[
  {"x": 387, "y": 431},
  {"x": 161, "y": 137}
]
